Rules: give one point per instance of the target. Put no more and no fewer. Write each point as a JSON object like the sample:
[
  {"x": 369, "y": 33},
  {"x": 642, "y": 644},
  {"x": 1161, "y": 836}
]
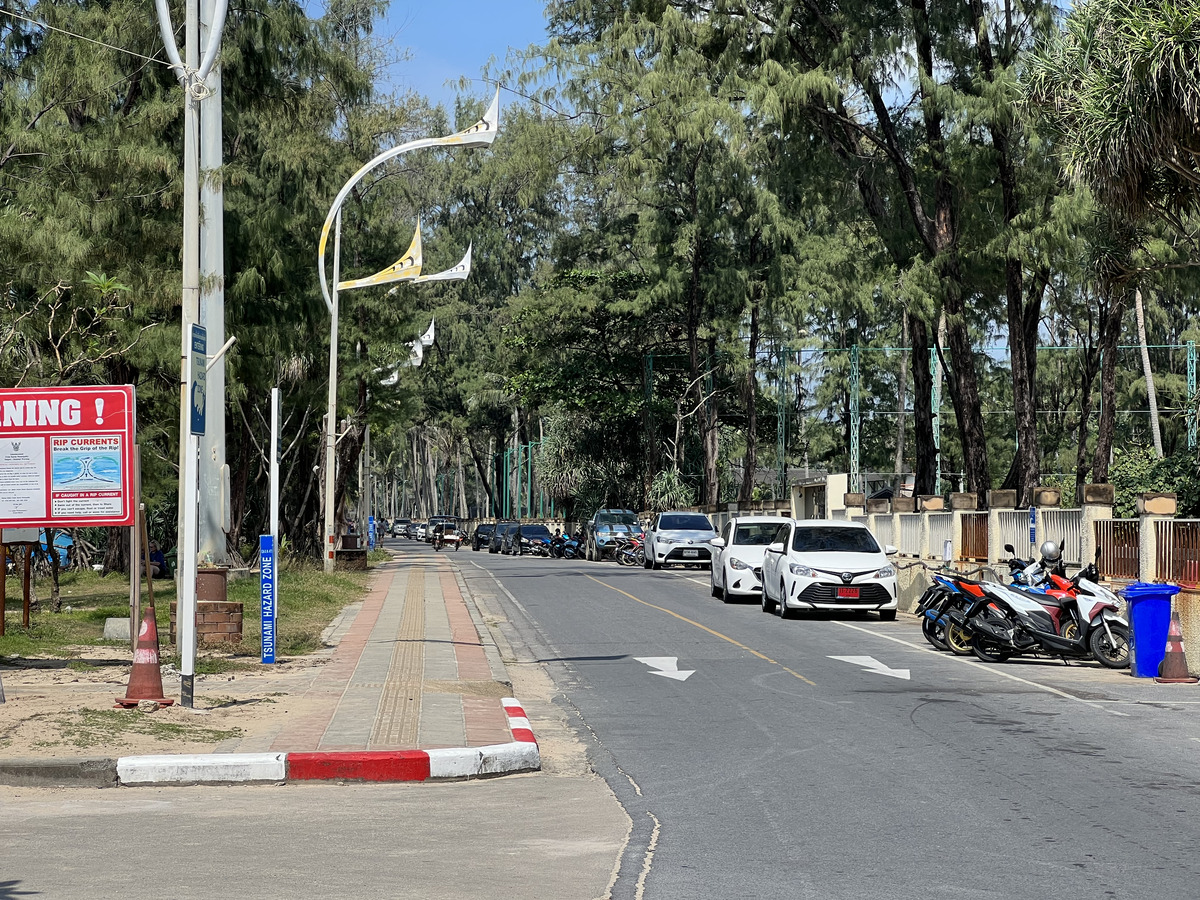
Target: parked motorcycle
[{"x": 1008, "y": 621}]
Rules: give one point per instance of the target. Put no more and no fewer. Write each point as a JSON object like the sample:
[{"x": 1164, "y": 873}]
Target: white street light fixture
[{"x": 406, "y": 269}]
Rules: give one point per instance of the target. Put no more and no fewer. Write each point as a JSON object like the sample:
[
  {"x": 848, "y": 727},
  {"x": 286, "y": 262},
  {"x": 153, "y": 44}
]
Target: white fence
[
  {"x": 1066, "y": 527},
  {"x": 911, "y": 526},
  {"x": 941, "y": 529},
  {"x": 1014, "y": 529},
  {"x": 883, "y": 530}
]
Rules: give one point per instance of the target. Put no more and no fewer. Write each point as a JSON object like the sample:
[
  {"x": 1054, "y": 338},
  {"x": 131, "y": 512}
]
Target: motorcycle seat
[{"x": 1036, "y": 597}]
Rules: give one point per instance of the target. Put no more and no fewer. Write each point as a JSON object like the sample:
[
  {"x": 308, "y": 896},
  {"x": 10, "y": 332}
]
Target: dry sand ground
[{"x": 64, "y": 708}]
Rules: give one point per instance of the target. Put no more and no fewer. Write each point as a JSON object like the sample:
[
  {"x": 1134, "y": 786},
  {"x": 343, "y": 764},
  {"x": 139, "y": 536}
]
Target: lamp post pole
[{"x": 407, "y": 268}]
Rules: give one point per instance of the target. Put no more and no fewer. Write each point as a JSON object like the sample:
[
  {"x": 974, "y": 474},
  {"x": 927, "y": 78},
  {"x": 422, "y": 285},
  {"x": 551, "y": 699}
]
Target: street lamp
[{"x": 407, "y": 268}]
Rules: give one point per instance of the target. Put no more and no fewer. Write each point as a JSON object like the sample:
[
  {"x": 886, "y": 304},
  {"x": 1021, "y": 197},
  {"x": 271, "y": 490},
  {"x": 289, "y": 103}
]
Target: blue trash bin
[{"x": 1149, "y": 622}]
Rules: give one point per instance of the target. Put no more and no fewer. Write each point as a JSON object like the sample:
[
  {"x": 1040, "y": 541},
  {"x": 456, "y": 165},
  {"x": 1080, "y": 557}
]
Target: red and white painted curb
[{"x": 519, "y": 755}]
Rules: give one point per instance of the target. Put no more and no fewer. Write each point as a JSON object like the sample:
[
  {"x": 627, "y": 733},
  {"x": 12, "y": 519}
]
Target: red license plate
[{"x": 847, "y": 593}]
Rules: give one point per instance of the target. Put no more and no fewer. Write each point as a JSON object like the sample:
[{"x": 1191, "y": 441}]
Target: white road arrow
[
  {"x": 666, "y": 666},
  {"x": 871, "y": 664}
]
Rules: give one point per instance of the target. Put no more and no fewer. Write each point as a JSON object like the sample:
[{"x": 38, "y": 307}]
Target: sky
[{"x": 448, "y": 39}]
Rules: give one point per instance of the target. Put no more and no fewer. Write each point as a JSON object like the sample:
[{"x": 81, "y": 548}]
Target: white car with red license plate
[
  {"x": 823, "y": 564},
  {"x": 737, "y": 555},
  {"x": 679, "y": 537}
]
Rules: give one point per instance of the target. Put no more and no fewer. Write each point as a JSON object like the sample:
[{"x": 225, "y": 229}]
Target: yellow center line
[{"x": 723, "y": 637}]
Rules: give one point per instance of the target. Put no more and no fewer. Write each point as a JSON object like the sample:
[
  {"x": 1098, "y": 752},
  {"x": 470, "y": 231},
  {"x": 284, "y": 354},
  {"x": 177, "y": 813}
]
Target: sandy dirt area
[{"x": 65, "y": 708}]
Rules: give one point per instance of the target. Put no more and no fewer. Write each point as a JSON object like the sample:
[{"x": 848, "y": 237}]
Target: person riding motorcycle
[{"x": 439, "y": 536}]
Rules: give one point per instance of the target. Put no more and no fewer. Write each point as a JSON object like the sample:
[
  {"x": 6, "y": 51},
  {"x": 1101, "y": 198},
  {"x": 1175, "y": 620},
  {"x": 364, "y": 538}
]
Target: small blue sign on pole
[
  {"x": 1032, "y": 526},
  {"x": 266, "y": 565},
  {"x": 371, "y": 532},
  {"x": 198, "y": 389}
]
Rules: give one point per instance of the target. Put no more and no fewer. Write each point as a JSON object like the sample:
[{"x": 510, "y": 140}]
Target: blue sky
[{"x": 448, "y": 39}]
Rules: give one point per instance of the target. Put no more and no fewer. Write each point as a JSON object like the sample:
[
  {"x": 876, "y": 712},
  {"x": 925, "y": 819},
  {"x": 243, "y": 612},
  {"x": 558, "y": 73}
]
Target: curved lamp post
[{"x": 405, "y": 269}]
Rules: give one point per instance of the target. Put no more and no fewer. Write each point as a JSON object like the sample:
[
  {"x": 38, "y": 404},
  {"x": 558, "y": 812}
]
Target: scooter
[{"x": 1008, "y": 621}]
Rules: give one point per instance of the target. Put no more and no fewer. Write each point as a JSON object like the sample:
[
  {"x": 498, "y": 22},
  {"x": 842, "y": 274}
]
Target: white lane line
[{"x": 990, "y": 669}]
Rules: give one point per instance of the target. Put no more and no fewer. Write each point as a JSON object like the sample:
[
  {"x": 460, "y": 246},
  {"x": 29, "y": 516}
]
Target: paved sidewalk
[{"x": 410, "y": 671}]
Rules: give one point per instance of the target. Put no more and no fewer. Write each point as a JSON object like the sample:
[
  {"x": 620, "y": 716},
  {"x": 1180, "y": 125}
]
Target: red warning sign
[{"x": 66, "y": 456}]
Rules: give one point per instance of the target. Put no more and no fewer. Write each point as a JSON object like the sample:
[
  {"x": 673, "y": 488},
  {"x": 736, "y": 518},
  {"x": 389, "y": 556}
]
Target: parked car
[
  {"x": 737, "y": 555},
  {"x": 497, "y": 540},
  {"x": 679, "y": 537},
  {"x": 603, "y": 529},
  {"x": 400, "y": 527},
  {"x": 411, "y": 530},
  {"x": 820, "y": 564},
  {"x": 422, "y": 531},
  {"x": 482, "y": 535},
  {"x": 529, "y": 533}
]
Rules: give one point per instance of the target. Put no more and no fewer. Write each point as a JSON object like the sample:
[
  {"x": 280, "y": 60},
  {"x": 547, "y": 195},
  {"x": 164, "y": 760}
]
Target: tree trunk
[
  {"x": 925, "y": 470},
  {"x": 749, "y": 396},
  {"x": 1087, "y": 379},
  {"x": 902, "y": 395},
  {"x": 1151, "y": 394},
  {"x": 116, "y": 551},
  {"x": 1110, "y": 336}
]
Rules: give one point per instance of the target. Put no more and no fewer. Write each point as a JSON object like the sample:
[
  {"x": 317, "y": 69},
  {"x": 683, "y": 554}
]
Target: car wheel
[
  {"x": 768, "y": 605},
  {"x": 784, "y": 612},
  {"x": 717, "y": 592},
  {"x": 655, "y": 564},
  {"x": 646, "y": 561},
  {"x": 887, "y": 615}
]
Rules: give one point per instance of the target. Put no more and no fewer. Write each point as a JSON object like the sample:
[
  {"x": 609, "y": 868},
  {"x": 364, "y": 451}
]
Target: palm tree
[{"x": 1119, "y": 87}]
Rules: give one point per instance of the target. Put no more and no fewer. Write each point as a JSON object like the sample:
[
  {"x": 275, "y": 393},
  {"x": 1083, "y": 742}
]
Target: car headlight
[
  {"x": 888, "y": 571},
  {"x": 738, "y": 564},
  {"x": 802, "y": 571},
  {"x": 666, "y": 540}
]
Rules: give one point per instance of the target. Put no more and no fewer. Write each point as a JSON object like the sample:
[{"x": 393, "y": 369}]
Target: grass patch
[
  {"x": 94, "y": 727},
  {"x": 308, "y": 601}
]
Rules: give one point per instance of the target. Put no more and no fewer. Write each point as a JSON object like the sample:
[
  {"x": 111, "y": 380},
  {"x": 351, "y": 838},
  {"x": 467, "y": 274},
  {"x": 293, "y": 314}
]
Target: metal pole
[
  {"x": 214, "y": 474},
  {"x": 935, "y": 367},
  {"x": 1191, "y": 401},
  {"x": 275, "y": 466},
  {"x": 855, "y": 422},
  {"x": 781, "y": 414},
  {"x": 331, "y": 405},
  {"x": 190, "y": 304}
]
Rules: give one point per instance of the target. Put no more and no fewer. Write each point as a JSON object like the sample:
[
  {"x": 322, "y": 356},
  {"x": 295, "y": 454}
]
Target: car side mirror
[
  {"x": 718, "y": 542},
  {"x": 889, "y": 550},
  {"x": 776, "y": 547}
]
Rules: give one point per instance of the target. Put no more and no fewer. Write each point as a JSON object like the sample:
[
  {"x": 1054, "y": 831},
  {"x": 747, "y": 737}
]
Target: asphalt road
[{"x": 775, "y": 770}]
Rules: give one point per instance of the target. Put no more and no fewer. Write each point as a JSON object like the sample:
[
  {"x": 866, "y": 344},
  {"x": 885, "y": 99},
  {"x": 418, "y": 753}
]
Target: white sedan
[
  {"x": 738, "y": 555},
  {"x": 821, "y": 564}
]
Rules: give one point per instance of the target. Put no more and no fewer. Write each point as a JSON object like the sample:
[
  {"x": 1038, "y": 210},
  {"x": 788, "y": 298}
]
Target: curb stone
[{"x": 519, "y": 755}]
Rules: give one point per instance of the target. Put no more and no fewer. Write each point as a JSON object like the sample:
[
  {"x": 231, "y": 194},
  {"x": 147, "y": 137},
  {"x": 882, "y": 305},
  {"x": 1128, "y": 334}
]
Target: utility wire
[{"x": 14, "y": 15}]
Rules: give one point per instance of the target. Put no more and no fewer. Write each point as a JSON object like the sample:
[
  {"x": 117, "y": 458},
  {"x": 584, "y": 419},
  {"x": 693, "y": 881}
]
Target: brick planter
[{"x": 217, "y": 622}]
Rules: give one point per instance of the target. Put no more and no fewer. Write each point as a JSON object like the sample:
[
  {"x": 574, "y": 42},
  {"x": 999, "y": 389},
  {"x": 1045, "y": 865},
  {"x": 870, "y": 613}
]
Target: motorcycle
[
  {"x": 452, "y": 539},
  {"x": 573, "y": 547},
  {"x": 629, "y": 551},
  {"x": 1085, "y": 623}
]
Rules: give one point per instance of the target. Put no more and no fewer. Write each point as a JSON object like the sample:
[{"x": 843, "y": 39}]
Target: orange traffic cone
[
  {"x": 1174, "y": 669},
  {"x": 145, "y": 680}
]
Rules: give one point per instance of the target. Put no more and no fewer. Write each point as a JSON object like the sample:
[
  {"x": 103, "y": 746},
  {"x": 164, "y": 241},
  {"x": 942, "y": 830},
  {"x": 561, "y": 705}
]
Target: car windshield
[
  {"x": 684, "y": 523},
  {"x": 757, "y": 534},
  {"x": 484, "y": 529},
  {"x": 834, "y": 540},
  {"x": 535, "y": 531},
  {"x": 616, "y": 519}
]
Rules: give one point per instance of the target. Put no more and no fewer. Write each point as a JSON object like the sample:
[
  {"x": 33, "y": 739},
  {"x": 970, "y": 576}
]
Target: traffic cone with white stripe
[
  {"x": 145, "y": 680},
  {"x": 1174, "y": 669}
]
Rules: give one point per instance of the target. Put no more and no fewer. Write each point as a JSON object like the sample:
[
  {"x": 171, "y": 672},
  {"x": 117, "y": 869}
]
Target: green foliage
[
  {"x": 669, "y": 491},
  {"x": 1135, "y": 471}
]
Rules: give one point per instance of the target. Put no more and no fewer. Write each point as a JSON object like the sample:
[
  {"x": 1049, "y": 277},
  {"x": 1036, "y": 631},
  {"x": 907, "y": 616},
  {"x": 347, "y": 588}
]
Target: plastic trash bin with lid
[{"x": 1149, "y": 622}]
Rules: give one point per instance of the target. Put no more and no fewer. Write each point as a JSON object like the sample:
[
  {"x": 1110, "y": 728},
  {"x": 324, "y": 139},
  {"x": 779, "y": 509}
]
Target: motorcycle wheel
[
  {"x": 958, "y": 640},
  {"x": 1112, "y": 654},
  {"x": 989, "y": 651},
  {"x": 934, "y": 633},
  {"x": 1070, "y": 630}
]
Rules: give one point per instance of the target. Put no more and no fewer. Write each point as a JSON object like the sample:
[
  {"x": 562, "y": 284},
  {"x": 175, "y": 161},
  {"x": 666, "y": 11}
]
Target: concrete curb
[{"x": 519, "y": 755}]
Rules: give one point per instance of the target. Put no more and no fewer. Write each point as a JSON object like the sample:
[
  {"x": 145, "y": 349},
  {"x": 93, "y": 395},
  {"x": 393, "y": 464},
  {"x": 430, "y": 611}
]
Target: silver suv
[{"x": 605, "y": 527}]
